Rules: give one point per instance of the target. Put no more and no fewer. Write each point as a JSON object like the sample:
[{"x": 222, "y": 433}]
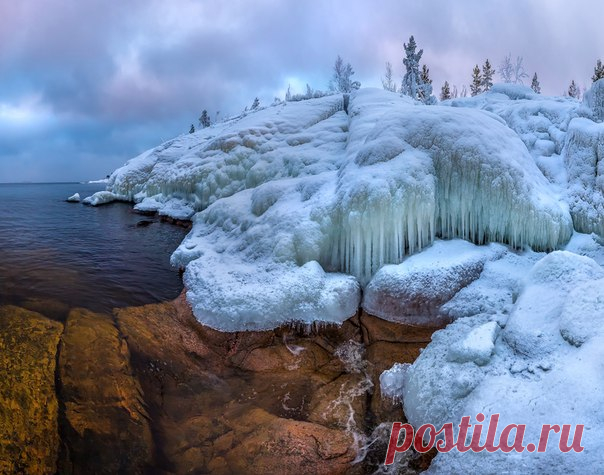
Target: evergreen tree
[
  {"x": 341, "y": 80},
  {"x": 573, "y": 90},
  {"x": 598, "y": 71},
  {"x": 476, "y": 86},
  {"x": 308, "y": 91},
  {"x": 425, "y": 88},
  {"x": 425, "y": 75},
  {"x": 487, "y": 76},
  {"x": 445, "y": 92},
  {"x": 387, "y": 83},
  {"x": 535, "y": 86},
  {"x": 255, "y": 104},
  {"x": 412, "y": 78},
  {"x": 204, "y": 119},
  {"x": 192, "y": 129}
]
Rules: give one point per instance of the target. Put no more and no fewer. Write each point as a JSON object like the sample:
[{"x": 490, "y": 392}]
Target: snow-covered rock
[
  {"x": 102, "y": 198},
  {"x": 304, "y": 192},
  {"x": 584, "y": 160},
  {"x": 540, "y": 121},
  {"x": 413, "y": 292},
  {"x": 497, "y": 288},
  {"x": 541, "y": 366},
  {"x": 75, "y": 198},
  {"x": 594, "y": 99}
]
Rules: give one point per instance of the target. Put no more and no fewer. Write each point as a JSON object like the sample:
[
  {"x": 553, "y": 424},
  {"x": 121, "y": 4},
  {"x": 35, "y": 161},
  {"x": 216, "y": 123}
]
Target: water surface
[{"x": 66, "y": 254}]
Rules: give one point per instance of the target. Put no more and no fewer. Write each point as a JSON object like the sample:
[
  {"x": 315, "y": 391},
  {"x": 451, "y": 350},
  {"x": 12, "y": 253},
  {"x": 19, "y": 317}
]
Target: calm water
[{"x": 57, "y": 254}]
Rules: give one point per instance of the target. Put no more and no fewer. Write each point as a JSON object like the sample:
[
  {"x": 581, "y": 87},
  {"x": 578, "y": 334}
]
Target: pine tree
[
  {"x": 535, "y": 86},
  {"x": 412, "y": 78},
  {"x": 192, "y": 129},
  {"x": 255, "y": 104},
  {"x": 425, "y": 88},
  {"x": 387, "y": 83},
  {"x": 425, "y": 75},
  {"x": 445, "y": 92},
  {"x": 487, "y": 76},
  {"x": 475, "y": 87},
  {"x": 341, "y": 80},
  {"x": 598, "y": 71},
  {"x": 573, "y": 90},
  {"x": 204, "y": 119}
]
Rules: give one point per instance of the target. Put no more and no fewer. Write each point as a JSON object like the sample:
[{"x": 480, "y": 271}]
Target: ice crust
[{"x": 305, "y": 192}]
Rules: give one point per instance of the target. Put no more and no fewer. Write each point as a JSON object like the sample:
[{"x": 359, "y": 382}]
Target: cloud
[{"x": 110, "y": 78}]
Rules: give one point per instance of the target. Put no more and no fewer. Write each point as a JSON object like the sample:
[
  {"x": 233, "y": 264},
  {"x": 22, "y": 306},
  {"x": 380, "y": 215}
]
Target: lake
[{"x": 62, "y": 255}]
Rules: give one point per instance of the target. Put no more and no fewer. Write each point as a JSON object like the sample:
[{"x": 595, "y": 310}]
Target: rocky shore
[{"x": 150, "y": 390}]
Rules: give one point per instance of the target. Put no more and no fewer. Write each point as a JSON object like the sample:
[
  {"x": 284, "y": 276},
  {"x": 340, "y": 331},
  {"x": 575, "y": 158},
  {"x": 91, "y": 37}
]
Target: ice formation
[
  {"x": 547, "y": 353},
  {"x": 75, "y": 198},
  {"x": 584, "y": 160},
  {"x": 297, "y": 206},
  {"x": 414, "y": 291},
  {"x": 594, "y": 100}
]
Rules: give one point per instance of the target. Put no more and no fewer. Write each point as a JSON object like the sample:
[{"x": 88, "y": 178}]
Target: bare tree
[
  {"x": 387, "y": 83},
  {"x": 519, "y": 72},
  {"x": 506, "y": 69}
]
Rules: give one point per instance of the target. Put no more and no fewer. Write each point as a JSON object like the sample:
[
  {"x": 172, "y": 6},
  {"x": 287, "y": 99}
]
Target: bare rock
[{"x": 29, "y": 438}]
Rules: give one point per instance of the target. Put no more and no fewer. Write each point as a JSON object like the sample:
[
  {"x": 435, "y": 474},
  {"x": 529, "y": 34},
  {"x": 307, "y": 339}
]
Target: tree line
[{"x": 416, "y": 82}]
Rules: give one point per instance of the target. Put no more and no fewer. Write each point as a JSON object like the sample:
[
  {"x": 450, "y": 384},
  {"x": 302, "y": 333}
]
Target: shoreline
[{"x": 223, "y": 398}]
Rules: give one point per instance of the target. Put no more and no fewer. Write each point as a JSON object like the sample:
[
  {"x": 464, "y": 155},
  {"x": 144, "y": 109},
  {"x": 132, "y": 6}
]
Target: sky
[{"x": 87, "y": 84}]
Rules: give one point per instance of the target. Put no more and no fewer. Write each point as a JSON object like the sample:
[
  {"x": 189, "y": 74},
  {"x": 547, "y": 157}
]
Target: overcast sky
[{"x": 87, "y": 84}]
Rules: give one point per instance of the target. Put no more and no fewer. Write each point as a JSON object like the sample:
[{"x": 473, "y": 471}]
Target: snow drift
[
  {"x": 291, "y": 201},
  {"x": 545, "y": 357}
]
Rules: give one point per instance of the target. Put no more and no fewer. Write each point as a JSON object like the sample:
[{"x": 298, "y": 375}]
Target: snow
[
  {"x": 432, "y": 214},
  {"x": 542, "y": 364},
  {"x": 584, "y": 160},
  {"x": 495, "y": 291},
  {"x": 477, "y": 346},
  {"x": 102, "y": 197},
  {"x": 412, "y": 292},
  {"x": 594, "y": 100},
  {"x": 75, "y": 198},
  {"x": 306, "y": 190},
  {"x": 102, "y": 180}
]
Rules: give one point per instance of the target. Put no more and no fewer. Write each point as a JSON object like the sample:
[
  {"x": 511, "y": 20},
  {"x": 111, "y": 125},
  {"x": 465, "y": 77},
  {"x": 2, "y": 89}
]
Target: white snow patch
[
  {"x": 102, "y": 198},
  {"x": 304, "y": 190},
  {"x": 545, "y": 367},
  {"x": 75, "y": 198},
  {"x": 412, "y": 292}
]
